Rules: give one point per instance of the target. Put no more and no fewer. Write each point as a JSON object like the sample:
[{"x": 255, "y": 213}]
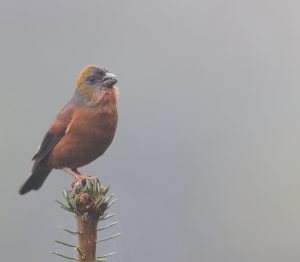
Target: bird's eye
[{"x": 91, "y": 79}]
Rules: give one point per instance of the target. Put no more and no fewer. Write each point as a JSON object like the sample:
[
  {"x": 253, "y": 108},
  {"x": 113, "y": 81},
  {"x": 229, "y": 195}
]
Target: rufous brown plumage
[{"x": 82, "y": 131}]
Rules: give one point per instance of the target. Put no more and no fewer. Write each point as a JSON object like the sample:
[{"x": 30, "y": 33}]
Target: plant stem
[
  {"x": 86, "y": 241},
  {"x": 88, "y": 201}
]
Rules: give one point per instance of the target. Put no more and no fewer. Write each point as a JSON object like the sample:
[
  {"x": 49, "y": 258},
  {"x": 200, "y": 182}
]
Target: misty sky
[{"x": 206, "y": 160}]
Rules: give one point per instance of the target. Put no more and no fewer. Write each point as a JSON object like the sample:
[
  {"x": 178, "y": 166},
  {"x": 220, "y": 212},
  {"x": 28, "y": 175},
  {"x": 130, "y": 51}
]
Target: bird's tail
[{"x": 36, "y": 180}]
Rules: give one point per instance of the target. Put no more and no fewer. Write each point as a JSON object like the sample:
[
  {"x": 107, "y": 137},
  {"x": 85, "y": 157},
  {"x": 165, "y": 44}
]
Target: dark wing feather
[
  {"x": 49, "y": 141},
  {"x": 56, "y": 131}
]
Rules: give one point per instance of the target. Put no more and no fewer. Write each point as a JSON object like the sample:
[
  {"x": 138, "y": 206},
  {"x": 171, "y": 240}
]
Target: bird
[{"x": 82, "y": 131}]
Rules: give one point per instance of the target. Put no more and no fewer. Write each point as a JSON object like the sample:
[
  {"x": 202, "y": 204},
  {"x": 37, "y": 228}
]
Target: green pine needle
[
  {"x": 105, "y": 216},
  {"x": 109, "y": 238},
  {"x": 60, "y": 255},
  {"x": 80, "y": 253},
  {"x": 69, "y": 231},
  {"x": 108, "y": 226},
  {"x": 65, "y": 244},
  {"x": 63, "y": 206},
  {"x": 108, "y": 255},
  {"x": 111, "y": 203},
  {"x": 72, "y": 202}
]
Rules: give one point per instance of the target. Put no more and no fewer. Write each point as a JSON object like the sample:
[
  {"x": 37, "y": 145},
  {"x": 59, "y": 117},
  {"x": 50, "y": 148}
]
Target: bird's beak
[
  {"x": 109, "y": 80},
  {"x": 110, "y": 75}
]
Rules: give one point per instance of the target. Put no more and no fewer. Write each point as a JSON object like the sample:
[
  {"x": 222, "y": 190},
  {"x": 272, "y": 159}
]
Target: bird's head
[{"x": 92, "y": 78}]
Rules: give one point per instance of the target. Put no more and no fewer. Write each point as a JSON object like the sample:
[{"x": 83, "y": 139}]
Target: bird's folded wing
[{"x": 55, "y": 133}]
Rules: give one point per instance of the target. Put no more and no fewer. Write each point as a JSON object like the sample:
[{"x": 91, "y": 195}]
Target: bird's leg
[
  {"x": 84, "y": 177},
  {"x": 88, "y": 177},
  {"x": 77, "y": 175},
  {"x": 73, "y": 173}
]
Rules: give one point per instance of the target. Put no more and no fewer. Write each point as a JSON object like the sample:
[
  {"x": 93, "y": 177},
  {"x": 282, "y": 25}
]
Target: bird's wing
[{"x": 56, "y": 131}]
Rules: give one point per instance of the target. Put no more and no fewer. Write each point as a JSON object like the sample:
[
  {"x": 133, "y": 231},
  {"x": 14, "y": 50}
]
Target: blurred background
[{"x": 206, "y": 160}]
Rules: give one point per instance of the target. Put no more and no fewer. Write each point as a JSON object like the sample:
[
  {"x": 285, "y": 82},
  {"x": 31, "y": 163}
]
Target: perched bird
[{"x": 82, "y": 131}]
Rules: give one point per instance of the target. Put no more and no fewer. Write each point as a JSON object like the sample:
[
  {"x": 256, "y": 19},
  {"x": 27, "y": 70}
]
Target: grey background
[{"x": 205, "y": 162}]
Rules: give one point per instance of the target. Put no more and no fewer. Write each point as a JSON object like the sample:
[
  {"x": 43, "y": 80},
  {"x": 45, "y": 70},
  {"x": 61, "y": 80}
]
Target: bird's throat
[{"x": 95, "y": 97}]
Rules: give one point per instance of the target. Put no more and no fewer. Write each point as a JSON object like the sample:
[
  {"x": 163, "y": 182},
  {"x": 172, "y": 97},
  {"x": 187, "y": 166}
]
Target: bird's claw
[
  {"x": 85, "y": 177},
  {"x": 78, "y": 177}
]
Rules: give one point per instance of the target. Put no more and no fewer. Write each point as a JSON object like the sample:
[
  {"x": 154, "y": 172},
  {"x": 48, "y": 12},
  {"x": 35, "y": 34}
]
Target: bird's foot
[
  {"x": 73, "y": 173},
  {"x": 77, "y": 175},
  {"x": 87, "y": 177}
]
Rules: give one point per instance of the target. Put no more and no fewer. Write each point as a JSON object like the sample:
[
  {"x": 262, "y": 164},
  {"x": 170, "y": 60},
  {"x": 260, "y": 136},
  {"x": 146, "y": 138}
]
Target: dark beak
[{"x": 109, "y": 80}]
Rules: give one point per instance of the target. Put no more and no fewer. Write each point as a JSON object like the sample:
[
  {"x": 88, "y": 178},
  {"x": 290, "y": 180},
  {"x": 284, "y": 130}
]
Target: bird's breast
[{"x": 89, "y": 134}]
